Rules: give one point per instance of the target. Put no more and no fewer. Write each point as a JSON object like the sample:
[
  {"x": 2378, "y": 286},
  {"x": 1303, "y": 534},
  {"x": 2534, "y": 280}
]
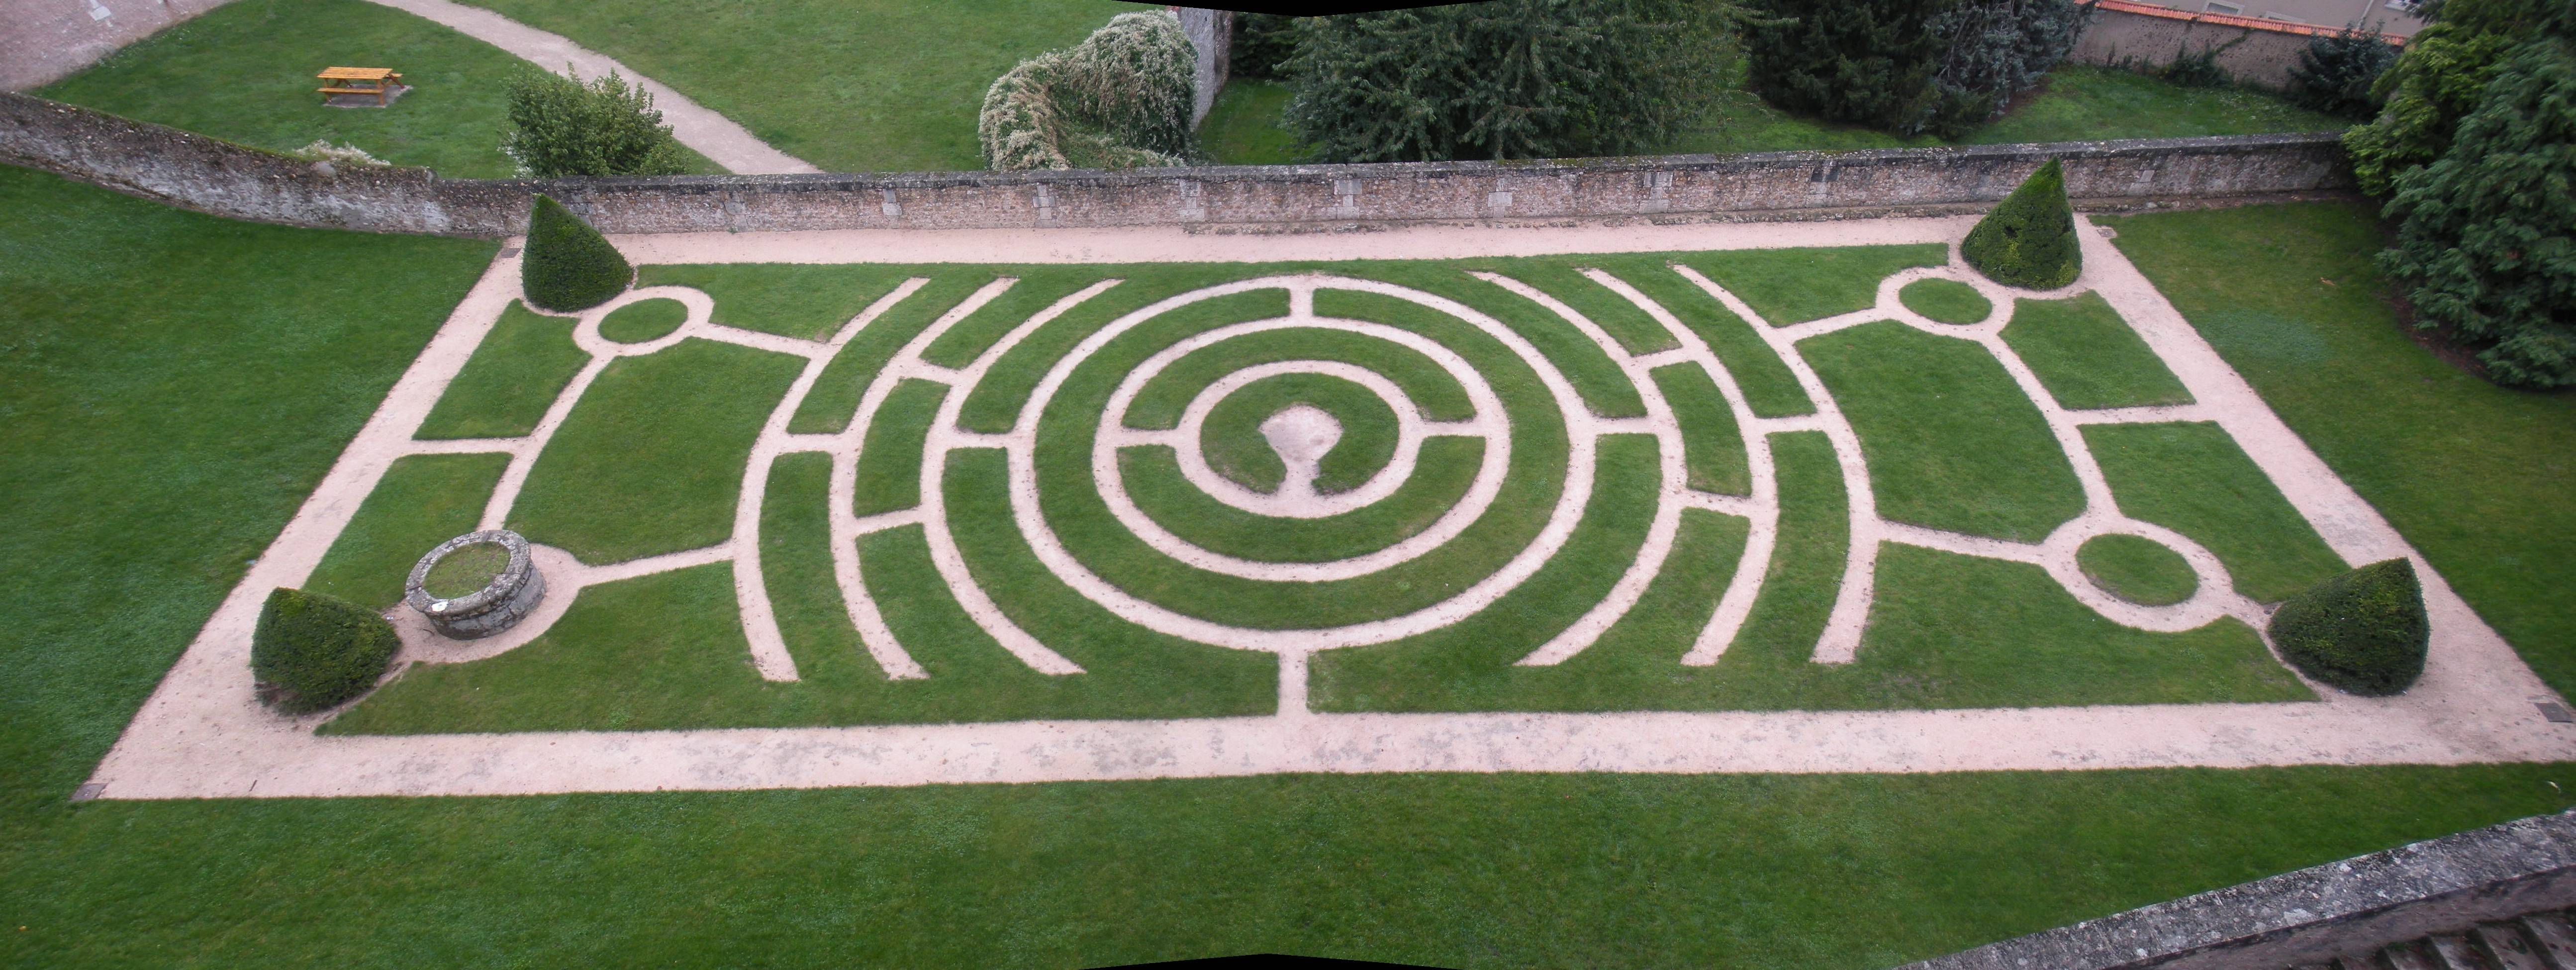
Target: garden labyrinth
[{"x": 1686, "y": 498}]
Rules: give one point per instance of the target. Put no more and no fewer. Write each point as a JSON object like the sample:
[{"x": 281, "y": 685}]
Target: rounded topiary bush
[
  {"x": 569, "y": 266},
  {"x": 312, "y": 651},
  {"x": 2363, "y": 632},
  {"x": 2029, "y": 240}
]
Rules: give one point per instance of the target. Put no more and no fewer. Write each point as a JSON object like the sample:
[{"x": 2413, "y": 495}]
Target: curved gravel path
[{"x": 711, "y": 134}]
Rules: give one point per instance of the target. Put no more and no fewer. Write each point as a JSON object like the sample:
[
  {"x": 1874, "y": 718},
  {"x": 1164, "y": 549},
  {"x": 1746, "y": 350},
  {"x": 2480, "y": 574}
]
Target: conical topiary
[
  {"x": 2363, "y": 632},
  {"x": 2029, "y": 240},
  {"x": 569, "y": 265},
  {"x": 312, "y": 651}
]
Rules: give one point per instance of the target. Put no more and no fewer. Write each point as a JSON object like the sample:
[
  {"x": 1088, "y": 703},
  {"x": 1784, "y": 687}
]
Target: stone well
[{"x": 509, "y": 598}]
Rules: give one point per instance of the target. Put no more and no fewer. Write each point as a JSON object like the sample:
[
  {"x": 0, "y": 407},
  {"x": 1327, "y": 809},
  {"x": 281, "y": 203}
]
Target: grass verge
[
  {"x": 422, "y": 501},
  {"x": 1951, "y": 442},
  {"x": 651, "y": 459},
  {"x": 510, "y": 382},
  {"x": 2088, "y": 357}
]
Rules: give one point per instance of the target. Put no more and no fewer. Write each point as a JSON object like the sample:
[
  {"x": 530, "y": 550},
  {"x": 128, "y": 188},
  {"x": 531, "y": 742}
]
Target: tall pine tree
[{"x": 1866, "y": 62}]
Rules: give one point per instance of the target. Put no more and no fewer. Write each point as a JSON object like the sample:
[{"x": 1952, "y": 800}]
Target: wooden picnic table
[{"x": 377, "y": 81}]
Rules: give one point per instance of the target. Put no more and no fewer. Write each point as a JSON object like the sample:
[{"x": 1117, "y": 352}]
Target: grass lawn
[
  {"x": 2079, "y": 102},
  {"x": 2482, "y": 479},
  {"x": 243, "y": 72},
  {"x": 849, "y": 85},
  {"x": 2088, "y": 357},
  {"x": 176, "y": 384},
  {"x": 1792, "y": 286},
  {"x": 2192, "y": 478},
  {"x": 513, "y": 377},
  {"x": 423, "y": 500}
]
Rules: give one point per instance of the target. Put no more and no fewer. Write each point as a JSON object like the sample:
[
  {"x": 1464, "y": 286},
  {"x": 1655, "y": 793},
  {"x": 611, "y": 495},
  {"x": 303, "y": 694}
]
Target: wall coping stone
[{"x": 2347, "y": 908}]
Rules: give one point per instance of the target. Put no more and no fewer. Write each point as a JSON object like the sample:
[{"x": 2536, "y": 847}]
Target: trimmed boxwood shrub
[
  {"x": 311, "y": 651},
  {"x": 2029, "y": 240},
  {"x": 2363, "y": 632},
  {"x": 569, "y": 266}
]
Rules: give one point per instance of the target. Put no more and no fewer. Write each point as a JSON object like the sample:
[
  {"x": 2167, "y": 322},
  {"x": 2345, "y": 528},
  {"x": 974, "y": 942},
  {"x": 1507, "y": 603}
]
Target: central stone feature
[
  {"x": 1302, "y": 434},
  {"x": 1299, "y": 434},
  {"x": 512, "y": 591}
]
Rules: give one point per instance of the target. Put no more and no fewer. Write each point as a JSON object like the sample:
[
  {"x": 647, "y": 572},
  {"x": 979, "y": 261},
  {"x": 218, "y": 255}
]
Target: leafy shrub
[
  {"x": 1263, "y": 43},
  {"x": 2439, "y": 80},
  {"x": 2029, "y": 240},
  {"x": 2363, "y": 632},
  {"x": 311, "y": 651},
  {"x": 2486, "y": 236},
  {"x": 1994, "y": 49},
  {"x": 559, "y": 127},
  {"x": 1121, "y": 98},
  {"x": 1505, "y": 79},
  {"x": 569, "y": 266},
  {"x": 2336, "y": 73}
]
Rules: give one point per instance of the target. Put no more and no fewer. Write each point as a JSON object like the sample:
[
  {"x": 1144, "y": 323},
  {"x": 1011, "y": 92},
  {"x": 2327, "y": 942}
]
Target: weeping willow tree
[{"x": 1505, "y": 79}]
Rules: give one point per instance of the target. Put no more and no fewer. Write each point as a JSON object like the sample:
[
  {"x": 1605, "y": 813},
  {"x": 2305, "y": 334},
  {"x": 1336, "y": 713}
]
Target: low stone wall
[
  {"x": 2345, "y": 909},
  {"x": 2252, "y": 50},
  {"x": 196, "y": 172}
]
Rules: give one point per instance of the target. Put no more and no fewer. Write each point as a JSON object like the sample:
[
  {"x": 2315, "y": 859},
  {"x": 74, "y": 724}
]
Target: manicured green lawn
[
  {"x": 651, "y": 459},
  {"x": 513, "y": 377},
  {"x": 2480, "y": 478},
  {"x": 422, "y": 501},
  {"x": 849, "y": 85},
  {"x": 2137, "y": 569},
  {"x": 1791, "y": 286},
  {"x": 2087, "y": 357},
  {"x": 160, "y": 435},
  {"x": 1945, "y": 301},
  {"x": 243, "y": 72},
  {"x": 2079, "y": 103},
  {"x": 2192, "y": 478},
  {"x": 643, "y": 321}
]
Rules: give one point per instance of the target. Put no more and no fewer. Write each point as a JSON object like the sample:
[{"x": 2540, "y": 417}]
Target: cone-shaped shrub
[
  {"x": 311, "y": 651},
  {"x": 2029, "y": 240},
  {"x": 569, "y": 265},
  {"x": 2363, "y": 632}
]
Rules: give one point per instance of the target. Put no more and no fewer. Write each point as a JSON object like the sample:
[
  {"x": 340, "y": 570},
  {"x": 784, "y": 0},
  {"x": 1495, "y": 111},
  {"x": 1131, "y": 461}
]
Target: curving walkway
[{"x": 710, "y": 134}]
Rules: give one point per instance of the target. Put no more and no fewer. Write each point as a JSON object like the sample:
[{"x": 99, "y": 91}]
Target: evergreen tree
[
  {"x": 2439, "y": 79},
  {"x": 311, "y": 651},
  {"x": 569, "y": 266},
  {"x": 2363, "y": 632},
  {"x": 1504, "y": 79},
  {"x": 1994, "y": 49},
  {"x": 2029, "y": 239},
  {"x": 2338, "y": 71},
  {"x": 2486, "y": 239},
  {"x": 1866, "y": 62}
]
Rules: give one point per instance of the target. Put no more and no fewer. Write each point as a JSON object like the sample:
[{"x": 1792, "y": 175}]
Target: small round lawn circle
[
  {"x": 1946, "y": 301},
  {"x": 465, "y": 570},
  {"x": 644, "y": 320},
  {"x": 2137, "y": 569}
]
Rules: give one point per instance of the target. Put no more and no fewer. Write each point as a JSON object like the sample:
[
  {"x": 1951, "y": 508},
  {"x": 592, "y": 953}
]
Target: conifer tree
[
  {"x": 2486, "y": 237},
  {"x": 2029, "y": 239},
  {"x": 2364, "y": 632},
  {"x": 1865, "y": 62},
  {"x": 569, "y": 266},
  {"x": 1504, "y": 79}
]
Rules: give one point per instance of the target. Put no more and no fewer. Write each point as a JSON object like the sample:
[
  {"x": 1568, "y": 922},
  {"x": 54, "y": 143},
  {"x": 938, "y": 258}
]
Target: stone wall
[
  {"x": 196, "y": 172},
  {"x": 1212, "y": 35},
  {"x": 2254, "y": 50},
  {"x": 2345, "y": 909},
  {"x": 42, "y": 40}
]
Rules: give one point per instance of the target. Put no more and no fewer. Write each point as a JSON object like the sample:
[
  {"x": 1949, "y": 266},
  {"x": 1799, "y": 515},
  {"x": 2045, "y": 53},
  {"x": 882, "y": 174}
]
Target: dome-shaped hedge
[
  {"x": 569, "y": 266},
  {"x": 2029, "y": 240},
  {"x": 2363, "y": 632},
  {"x": 312, "y": 651}
]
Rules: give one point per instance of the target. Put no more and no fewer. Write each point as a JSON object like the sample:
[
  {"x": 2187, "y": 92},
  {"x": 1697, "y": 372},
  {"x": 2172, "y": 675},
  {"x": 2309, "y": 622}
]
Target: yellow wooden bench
[{"x": 380, "y": 80}]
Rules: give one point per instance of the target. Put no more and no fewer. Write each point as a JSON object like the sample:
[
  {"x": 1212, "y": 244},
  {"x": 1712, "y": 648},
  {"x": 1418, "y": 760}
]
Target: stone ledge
[{"x": 2313, "y": 915}]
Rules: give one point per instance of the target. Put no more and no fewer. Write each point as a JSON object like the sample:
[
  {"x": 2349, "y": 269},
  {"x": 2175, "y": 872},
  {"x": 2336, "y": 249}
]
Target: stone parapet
[{"x": 196, "y": 172}]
